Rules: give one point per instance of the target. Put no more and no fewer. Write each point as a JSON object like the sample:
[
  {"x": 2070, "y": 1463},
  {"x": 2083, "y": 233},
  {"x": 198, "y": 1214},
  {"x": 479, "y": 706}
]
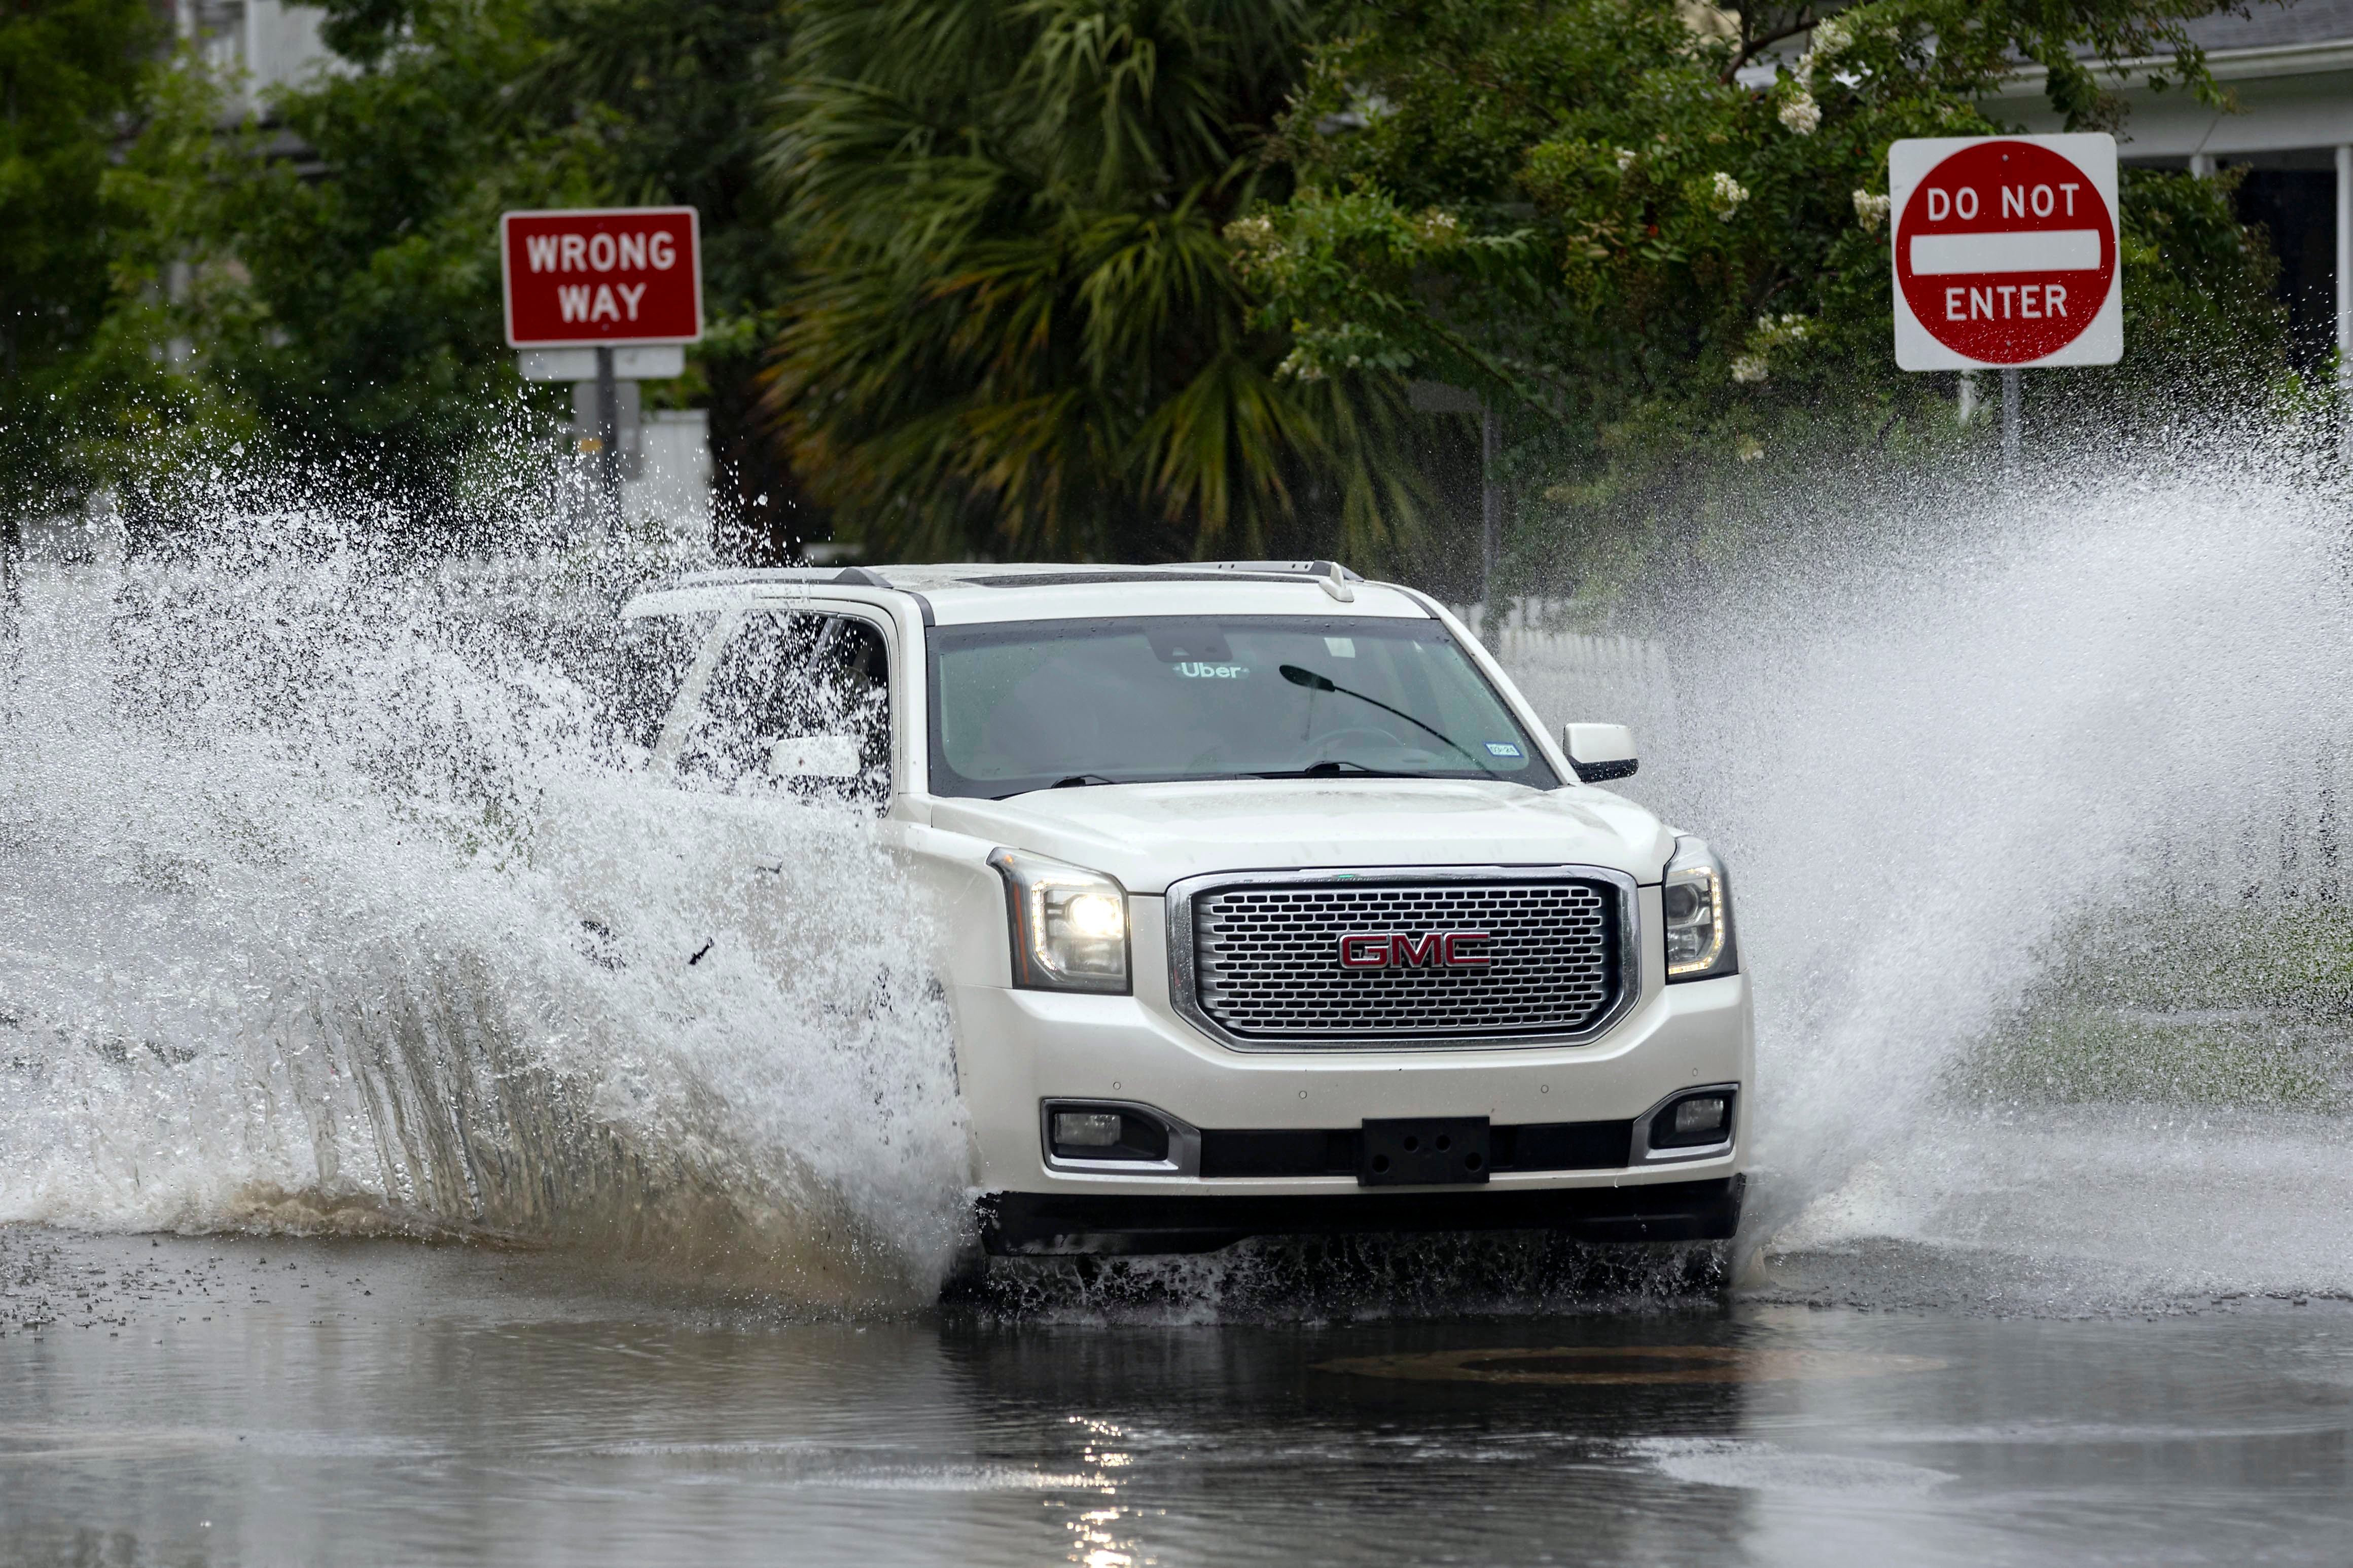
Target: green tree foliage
[
  {"x": 1672, "y": 274},
  {"x": 1015, "y": 328},
  {"x": 319, "y": 291},
  {"x": 681, "y": 91},
  {"x": 70, "y": 73},
  {"x": 1093, "y": 278},
  {"x": 373, "y": 276},
  {"x": 322, "y": 286}
]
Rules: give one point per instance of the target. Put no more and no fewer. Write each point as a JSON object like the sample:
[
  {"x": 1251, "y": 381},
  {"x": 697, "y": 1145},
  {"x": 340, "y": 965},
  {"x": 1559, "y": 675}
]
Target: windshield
[{"x": 1024, "y": 706}]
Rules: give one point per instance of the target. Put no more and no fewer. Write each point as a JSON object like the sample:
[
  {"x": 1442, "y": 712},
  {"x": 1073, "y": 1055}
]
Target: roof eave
[{"x": 2308, "y": 59}]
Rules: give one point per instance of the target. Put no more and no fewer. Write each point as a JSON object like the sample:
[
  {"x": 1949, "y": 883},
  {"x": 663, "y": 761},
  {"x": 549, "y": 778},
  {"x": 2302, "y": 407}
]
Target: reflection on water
[
  {"x": 265, "y": 1402},
  {"x": 1619, "y": 1366}
]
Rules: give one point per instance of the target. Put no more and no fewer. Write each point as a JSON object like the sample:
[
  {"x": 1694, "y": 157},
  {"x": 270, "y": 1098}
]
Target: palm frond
[{"x": 1019, "y": 328}]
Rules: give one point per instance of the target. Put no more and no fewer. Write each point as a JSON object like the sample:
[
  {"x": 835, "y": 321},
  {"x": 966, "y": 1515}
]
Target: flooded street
[{"x": 203, "y": 1400}]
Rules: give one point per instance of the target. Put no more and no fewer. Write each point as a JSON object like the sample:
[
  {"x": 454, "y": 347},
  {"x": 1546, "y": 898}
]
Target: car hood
[{"x": 1151, "y": 835}]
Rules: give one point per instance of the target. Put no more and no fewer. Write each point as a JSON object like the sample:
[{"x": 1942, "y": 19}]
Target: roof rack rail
[
  {"x": 851, "y": 577},
  {"x": 1333, "y": 577},
  {"x": 1331, "y": 569}
]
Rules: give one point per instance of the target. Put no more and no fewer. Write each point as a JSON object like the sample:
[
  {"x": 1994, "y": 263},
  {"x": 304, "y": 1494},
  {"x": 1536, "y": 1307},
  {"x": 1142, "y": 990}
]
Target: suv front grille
[{"x": 1266, "y": 965}]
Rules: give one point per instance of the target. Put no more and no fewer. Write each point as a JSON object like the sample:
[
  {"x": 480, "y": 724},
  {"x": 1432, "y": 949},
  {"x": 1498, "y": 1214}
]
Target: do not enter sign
[{"x": 2005, "y": 251}]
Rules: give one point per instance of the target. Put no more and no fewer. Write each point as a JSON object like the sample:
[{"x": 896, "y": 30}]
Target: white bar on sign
[
  {"x": 2019, "y": 250},
  {"x": 657, "y": 361}
]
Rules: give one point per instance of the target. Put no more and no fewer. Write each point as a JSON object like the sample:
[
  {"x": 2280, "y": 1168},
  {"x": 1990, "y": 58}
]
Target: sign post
[
  {"x": 2005, "y": 256},
  {"x": 590, "y": 286},
  {"x": 2013, "y": 417}
]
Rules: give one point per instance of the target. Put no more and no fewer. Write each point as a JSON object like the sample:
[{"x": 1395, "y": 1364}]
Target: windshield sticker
[
  {"x": 1502, "y": 748},
  {"x": 1340, "y": 647},
  {"x": 1192, "y": 672}
]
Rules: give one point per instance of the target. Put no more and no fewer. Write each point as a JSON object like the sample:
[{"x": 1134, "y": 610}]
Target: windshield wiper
[
  {"x": 1075, "y": 781},
  {"x": 1315, "y": 682},
  {"x": 1340, "y": 767}
]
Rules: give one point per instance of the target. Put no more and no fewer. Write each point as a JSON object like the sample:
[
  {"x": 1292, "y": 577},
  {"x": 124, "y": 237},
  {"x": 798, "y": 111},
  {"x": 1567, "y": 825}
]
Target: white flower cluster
[
  {"x": 1299, "y": 365},
  {"x": 1832, "y": 36},
  {"x": 1253, "y": 230},
  {"x": 1870, "y": 211},
  {"x": 1729, "y": 194},
  {"x": 1625, "y": 159},
  {"x": 1257, "y": 251},
  {"x": 1750, "y": 448},
  {"x": 1800, "y": 113},
  {"x": 1439, "y": 226},
  {"x": 1771, "y": 333}
]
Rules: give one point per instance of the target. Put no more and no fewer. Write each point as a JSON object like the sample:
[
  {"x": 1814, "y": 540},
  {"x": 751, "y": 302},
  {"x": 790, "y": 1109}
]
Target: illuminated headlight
[
  {"x": 1070, "y": 924},
  {"x": 1698, "y": 906}
]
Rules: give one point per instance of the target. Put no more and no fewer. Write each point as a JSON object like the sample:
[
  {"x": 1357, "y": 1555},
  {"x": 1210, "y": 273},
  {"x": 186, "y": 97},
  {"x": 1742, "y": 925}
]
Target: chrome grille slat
[{"x": 1263, "y": 961}]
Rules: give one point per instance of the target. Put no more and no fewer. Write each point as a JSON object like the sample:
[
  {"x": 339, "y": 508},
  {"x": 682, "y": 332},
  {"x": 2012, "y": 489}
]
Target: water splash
[
  {"x": 297, "y": 847},
  {"x": 330, "y": 901},
  {"x": 1946, "y": 734}
]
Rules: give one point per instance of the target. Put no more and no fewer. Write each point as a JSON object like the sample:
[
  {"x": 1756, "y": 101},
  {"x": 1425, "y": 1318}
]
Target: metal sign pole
[
  {"x": 2009, "y": 420},
  {"x": 609, "y": 437}
]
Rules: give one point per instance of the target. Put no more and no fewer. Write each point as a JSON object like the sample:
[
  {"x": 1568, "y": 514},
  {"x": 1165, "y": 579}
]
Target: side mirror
[
  {"x": 815, "y": 757},
  {"x": 1599, "y": 752}
]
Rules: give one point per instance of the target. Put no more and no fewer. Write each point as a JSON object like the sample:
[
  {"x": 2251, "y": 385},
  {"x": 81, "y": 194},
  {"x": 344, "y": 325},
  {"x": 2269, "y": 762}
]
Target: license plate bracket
[{"x": 1423, "y": 1152}]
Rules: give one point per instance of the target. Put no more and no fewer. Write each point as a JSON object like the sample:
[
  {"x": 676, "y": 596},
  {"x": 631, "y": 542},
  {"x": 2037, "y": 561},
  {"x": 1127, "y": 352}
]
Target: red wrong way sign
[
  {"x": 2005, "y": 251},
  {"x": 602, "y": 277}
]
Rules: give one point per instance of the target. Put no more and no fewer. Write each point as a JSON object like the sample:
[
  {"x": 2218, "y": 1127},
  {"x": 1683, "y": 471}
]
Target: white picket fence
[
  {"x": 2273, "y": 835},
  {"x": 1573, "y": 677},
  {"x": 2278, "y": 838}
]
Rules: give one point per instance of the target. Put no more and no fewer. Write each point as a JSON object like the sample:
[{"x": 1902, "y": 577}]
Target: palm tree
[{"x": 1017, "y": 329}]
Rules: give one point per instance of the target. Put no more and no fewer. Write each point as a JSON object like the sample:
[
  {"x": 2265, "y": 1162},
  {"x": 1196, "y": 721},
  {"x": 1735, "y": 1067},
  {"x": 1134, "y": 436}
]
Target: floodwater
[{"x": 216, "y": 1400}]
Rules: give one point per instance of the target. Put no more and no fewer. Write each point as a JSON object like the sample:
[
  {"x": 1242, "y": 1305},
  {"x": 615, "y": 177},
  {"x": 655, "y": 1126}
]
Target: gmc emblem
[{"x": 1395, "y": 950}]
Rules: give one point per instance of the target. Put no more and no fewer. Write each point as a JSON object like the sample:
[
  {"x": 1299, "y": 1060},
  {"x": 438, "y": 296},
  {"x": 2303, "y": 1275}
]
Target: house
[{"x": 2289, "y": 71}]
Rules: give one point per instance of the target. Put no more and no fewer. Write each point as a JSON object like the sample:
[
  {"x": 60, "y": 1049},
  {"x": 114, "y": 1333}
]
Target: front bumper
[
  {"x": 1018, "y": 1050},
  {"x": 1057, "y": 1224}
]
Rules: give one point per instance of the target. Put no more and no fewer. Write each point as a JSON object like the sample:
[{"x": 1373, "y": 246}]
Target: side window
[{"x": 792, "y": 675}]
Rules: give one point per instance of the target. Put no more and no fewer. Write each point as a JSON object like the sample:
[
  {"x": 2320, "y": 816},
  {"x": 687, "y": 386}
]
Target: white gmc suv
[{"x": 1269, "y": 907}]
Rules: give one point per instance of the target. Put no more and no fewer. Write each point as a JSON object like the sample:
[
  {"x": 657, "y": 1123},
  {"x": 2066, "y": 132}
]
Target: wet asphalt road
[{"x": 213, "y": 1401}]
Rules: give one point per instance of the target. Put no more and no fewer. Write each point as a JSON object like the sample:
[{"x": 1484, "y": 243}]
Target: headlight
[
  {"x": 1070, "y": 925},
  {"x": 1699, "y": 915}
]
